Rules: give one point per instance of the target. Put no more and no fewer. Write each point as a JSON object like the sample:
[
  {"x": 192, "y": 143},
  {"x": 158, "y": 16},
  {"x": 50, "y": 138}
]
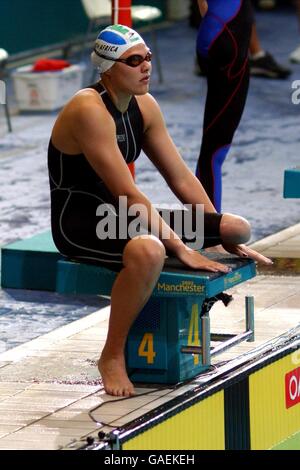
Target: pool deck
[
  {"x": 284, "y": 248},
  {"x": 44, "y": 401}
]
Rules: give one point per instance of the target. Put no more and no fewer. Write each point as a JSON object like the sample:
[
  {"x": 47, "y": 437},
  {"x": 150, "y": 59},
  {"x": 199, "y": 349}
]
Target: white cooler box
[{"x": 46, "y": 91}]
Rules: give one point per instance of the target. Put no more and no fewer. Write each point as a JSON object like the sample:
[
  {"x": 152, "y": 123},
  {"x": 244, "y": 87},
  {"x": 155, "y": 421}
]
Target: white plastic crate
[{"x": 46, "y": 91}]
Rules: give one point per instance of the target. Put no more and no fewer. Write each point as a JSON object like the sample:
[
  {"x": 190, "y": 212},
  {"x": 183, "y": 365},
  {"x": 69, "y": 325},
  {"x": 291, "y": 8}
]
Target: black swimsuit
[{"x": 77, "y": 191}]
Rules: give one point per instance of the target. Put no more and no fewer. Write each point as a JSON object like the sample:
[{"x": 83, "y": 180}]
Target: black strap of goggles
[{"x": 103, "y": 56}]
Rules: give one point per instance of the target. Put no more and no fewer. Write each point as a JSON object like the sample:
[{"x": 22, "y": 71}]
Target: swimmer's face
[{"x": 133, "y": 73}]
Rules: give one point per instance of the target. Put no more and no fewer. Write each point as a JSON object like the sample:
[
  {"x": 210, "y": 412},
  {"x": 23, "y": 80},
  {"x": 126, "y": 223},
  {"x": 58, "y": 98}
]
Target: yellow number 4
[
  {"x": 146, "y": 348},
  {"x": 193, "y": 338}
]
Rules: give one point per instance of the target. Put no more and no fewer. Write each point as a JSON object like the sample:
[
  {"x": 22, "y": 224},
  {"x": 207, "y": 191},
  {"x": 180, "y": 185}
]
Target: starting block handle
[
  {"x": 205, "y": 324},
  {"x": 249, "y": 305}
]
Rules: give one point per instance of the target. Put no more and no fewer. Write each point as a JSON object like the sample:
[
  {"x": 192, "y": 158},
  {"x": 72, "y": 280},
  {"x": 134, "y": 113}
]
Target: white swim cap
[{"x": 112, "y": 42}]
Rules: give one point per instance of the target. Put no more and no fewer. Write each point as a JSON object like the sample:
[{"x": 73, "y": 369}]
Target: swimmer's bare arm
[
  {"x": 95, "y": 132},
  {"x": 160, "y": 148},
  {"x": 162, "y": 151}
]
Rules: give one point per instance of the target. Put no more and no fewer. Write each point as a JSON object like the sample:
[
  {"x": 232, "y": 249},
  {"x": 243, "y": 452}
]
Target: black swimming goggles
[{"x": 133, "y": 60}]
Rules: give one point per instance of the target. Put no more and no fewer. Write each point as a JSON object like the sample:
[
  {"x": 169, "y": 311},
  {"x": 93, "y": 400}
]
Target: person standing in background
[
  {"x": 222, "y": 48},
  {"x": 226, "y": 36}
]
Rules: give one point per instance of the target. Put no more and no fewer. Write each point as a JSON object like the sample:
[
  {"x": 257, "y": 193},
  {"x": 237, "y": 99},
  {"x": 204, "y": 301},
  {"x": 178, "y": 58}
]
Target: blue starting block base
[
  {"x": 170, "y": 340},
  {"x": 30, "y": 263},
  {"x": 291, "y": 187}
]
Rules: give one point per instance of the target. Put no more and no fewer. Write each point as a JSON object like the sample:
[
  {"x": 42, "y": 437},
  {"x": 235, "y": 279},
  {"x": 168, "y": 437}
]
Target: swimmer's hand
[
  {"x": 195, "y": 260},
  {"x": 245, "y": 252},
  {"x": 203, "y": 7}
]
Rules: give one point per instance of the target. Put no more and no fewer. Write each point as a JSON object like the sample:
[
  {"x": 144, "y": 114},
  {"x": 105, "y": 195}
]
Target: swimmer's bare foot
[{"x": 114, "y": 376}]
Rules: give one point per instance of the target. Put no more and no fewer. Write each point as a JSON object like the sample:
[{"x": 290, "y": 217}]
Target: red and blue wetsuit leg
[{"x": 222, "y": 48}]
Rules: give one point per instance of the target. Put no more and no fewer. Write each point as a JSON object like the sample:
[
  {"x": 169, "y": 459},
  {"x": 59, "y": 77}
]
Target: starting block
[
  {"x": 291, "y": 187},
  {"x": 170, "y": 341},
  {"x": 30, "y": 263}
]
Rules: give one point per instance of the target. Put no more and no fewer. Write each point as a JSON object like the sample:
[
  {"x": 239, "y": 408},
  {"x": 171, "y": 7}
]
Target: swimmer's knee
[
  {"x": 234, "y": 229},
  {"x": 146, "y": 252}
]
